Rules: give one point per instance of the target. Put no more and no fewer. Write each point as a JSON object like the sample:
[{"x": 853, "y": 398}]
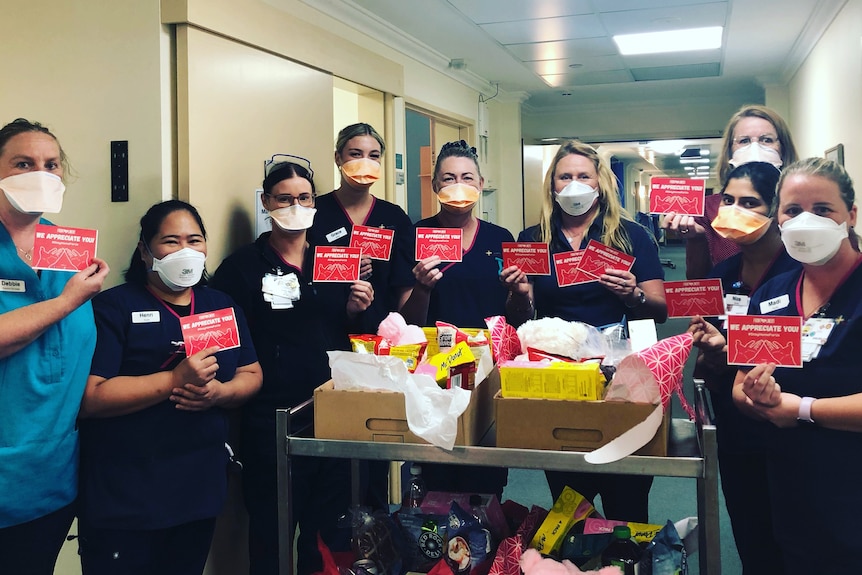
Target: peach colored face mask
[
  {"x": 362, "y": 171},
  {"x": 740, "y": 225},
  {"x": 458, "y": 195}
]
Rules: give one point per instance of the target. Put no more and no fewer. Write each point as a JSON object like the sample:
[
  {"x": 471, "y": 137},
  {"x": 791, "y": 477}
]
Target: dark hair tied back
[{"x": 458, "y": 146}]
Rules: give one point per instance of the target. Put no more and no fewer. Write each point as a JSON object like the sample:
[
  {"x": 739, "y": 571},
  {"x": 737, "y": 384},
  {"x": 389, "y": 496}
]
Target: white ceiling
[{"x": 558, "y": 55}]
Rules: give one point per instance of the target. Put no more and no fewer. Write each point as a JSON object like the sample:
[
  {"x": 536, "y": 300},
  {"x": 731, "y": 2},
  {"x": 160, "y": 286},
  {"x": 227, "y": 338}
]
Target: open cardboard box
[
  {"x": 380, "y": 415},
  {"x": 564, "y": 425}
]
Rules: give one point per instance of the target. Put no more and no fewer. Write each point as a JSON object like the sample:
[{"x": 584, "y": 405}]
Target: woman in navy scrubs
[
  {"x": 580, "y": 203},
  {"x": 462, "y": 293},
  {"x": 293, "y": 322},
  {"x": 153, "y": 422},
  {"x": 746, "y": 217},
  {"x": 812, "y": 456}
]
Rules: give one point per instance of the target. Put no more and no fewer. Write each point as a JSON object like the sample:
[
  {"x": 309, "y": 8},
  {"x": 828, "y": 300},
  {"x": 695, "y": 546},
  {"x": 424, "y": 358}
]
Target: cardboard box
[
  {"x": 558, "y": 380},
  {"x": 380, "y": 415},
  {"x": 563, "y": 425}
]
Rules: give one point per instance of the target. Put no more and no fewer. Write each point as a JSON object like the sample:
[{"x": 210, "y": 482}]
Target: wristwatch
[
  {"x": 641, "y": 299},
  {"x": 804, "y": 415}
]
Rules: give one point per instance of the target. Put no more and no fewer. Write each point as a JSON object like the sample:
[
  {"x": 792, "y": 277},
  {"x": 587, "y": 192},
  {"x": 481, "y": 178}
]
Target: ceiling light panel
[{"x": 670, "y": 41}]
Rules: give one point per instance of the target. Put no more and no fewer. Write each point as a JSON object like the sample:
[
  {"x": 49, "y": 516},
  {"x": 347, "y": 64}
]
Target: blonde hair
[{"x": 613, "y": 232}]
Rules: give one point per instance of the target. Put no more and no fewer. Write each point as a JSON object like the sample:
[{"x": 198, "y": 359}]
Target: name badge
[
  {"x": 736, "y": 304},
  {"x": 775, "y": 303},
  {"x": 339, "y": 233},
  {"x": 16, "y": 286},
  {"x": 146, "y": 316}
]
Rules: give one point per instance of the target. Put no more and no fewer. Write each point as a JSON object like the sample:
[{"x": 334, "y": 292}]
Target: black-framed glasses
[
  {"x": 278, "y": 160},
  {"x": 284, "y": 200},
  {"x": 765, "y": 139}
]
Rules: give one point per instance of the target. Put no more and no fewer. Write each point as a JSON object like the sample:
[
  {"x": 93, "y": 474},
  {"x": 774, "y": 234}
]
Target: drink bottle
[
  {"x": 622, "y": 552},
  {"x": 415, "y": 492}
]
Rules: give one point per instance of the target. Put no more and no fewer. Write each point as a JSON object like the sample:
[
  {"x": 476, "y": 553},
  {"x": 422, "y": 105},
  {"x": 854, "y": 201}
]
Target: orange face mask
[
  {"x": 362, "y": 171},
  {"x": 458, "y": 196},
  {"x": 740, "y": 225}
]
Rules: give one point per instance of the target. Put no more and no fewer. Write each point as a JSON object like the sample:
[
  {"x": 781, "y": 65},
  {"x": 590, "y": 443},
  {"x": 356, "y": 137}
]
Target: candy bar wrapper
[
  {"x": 448, "y": 336},
  {"x": 444, "y": 361},
  {"x": 641, "y": 532},
  {"x": 365, "y": 342},
  {"x": 505, "y": 343},
  {"x": 569, "y": 508}
]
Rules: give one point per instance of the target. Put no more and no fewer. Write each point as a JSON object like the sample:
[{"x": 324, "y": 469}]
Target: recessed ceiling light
[
  {"x": 667, "y": 146},
  {"x": 567, "y": 93},
  {"x": 670, "y": 41}
]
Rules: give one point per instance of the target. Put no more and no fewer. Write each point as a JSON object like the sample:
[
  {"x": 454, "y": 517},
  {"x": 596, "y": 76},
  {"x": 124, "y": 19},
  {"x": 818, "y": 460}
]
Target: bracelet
[{"x": 805, "y": 409}]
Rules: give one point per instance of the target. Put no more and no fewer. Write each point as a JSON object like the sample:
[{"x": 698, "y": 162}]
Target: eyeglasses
[
  {"x": 284, "y": 200},
  {"x": 765, "y": 139}
]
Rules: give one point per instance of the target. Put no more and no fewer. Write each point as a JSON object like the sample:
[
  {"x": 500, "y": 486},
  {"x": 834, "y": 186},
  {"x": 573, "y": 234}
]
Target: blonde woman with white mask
[
  {"x": 581, "y": 203},
  {"x": 47, "y": 336}
]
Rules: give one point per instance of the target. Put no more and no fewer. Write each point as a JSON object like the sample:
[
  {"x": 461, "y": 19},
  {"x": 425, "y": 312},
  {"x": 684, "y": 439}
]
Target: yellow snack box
[
  {"x": 557, "y": 380},
  {"x": 459, "y": 354}
]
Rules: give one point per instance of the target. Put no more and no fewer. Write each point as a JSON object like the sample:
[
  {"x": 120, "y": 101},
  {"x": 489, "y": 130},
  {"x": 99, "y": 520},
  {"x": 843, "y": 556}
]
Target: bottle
[
  {"x": 415, "y": 492},
  {"x": 622, "y": 551}
]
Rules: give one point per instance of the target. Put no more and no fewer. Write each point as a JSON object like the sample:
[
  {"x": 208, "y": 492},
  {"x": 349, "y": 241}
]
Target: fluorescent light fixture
[
  {"x": 694, "y": 160},
  {"x": 670, "y": 41},
  {"x": 667, "y": 146}
]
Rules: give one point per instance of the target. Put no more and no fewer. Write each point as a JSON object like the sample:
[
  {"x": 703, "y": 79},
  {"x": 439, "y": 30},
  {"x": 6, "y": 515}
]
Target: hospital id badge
[
  {"x": 815, "y": 333},
  {"x": 283, "y": 286},
  {"x": 736, "y": 304}
]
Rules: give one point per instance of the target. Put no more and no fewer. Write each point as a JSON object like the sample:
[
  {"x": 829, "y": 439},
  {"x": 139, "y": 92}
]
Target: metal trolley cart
[{"x": 692, "y": 453}]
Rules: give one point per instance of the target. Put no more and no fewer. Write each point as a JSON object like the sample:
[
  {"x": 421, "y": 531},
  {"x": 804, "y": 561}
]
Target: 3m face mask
[
  {"x": 756, "y": 152},
  {"x": 293, "y": 218},
  {"x": 362, "y": 171},
  {"x": 812, "y": 239},
  {"x": 181, "y": 269},
  {"x": 740, "y": 225},
  {"x": 577, "y": 198},
  {"x": 34, "y": 192}
]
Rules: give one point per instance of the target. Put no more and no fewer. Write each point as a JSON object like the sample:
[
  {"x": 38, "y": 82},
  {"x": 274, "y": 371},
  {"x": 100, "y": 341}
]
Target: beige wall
[
  {"x": 92, "y": 72},
  {"x": 826, "y": 93},
  {"x": 237, "y": 106}
]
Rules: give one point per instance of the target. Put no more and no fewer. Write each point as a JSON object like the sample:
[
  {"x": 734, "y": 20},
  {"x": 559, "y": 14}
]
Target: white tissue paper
[{"x": 432, "y": 412}]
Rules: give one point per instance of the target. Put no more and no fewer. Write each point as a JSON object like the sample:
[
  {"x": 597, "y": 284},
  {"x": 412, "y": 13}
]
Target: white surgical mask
[
  {"x": 181, "y": 269},
  {"x": 812, "y": 239},
  {"x": 577, "y": 198},
  {"x": 293, "y": 218},
  {"x": 756, "y": 152},
  {"x": 34, "y": 192}
]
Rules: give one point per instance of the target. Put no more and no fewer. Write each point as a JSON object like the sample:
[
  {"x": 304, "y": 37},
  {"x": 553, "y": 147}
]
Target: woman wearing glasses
[
  {"x": 746, "y": 217},
  {"x": 754, "y": 133},
  {"x": 293, "y": 323}
]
